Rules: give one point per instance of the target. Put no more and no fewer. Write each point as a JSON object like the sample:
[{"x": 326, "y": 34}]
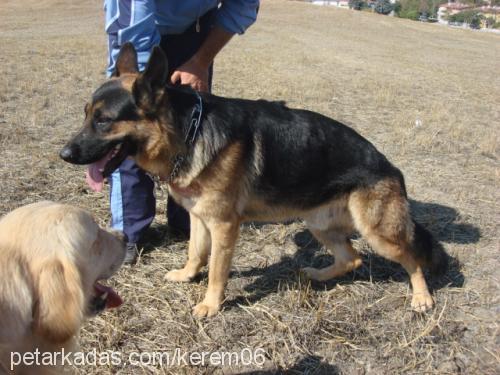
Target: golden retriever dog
[{"x": 51, "y": 259}]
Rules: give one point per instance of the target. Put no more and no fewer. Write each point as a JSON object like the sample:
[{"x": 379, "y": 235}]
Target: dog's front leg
[
  {"x": 199, "y": 247},
  {"x": 224, "y": 235}
]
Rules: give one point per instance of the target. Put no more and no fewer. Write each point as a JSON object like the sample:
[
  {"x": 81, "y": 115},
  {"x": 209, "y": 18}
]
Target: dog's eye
[{"x": 102, "y": 122}]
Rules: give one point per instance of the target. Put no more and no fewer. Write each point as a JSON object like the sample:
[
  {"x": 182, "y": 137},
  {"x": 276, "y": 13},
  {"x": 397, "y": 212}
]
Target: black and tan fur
[{"x": 255, "y": 160}]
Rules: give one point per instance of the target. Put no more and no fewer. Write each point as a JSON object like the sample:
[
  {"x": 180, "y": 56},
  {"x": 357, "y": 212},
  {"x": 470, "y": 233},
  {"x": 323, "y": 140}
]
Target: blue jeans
[{"x": 132, "y": 202}]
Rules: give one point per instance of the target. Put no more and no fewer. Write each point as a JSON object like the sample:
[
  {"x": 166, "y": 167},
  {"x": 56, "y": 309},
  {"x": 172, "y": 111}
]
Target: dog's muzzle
[{"x": 68, "y": 154}]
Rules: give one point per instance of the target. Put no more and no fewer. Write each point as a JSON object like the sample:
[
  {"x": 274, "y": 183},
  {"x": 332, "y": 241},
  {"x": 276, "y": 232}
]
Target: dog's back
[{"x": 299, "y": 158}]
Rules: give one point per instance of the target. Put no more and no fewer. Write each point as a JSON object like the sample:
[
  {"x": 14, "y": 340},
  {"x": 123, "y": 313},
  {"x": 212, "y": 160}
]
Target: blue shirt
[{"x": 142, "y": 22}]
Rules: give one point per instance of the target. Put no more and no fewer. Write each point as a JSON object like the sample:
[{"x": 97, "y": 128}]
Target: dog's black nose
[{"x": 66, "y": 153}]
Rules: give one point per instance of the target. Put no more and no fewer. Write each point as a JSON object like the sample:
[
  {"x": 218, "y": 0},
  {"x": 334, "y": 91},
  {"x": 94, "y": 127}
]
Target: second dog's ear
[
  {"x": 154, "y": 78},
  {"x": 59, "y": 311},
  {"x": 126, "y": 61}
]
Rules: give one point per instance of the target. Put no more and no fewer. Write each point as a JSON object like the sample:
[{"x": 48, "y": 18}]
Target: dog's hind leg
[
  {"x": 331, "y": 225},
  {"x": 381, "y": 214},
  {"x": 346, "y": 258},
  {"x": 199, "y": 248},
  {"x": 421, "y": 299}
]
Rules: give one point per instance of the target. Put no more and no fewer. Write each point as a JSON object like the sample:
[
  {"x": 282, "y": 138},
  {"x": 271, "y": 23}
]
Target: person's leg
[
  {"x": 179, "y": 49},
  {"x": 131, "y": 190},
  {"x": 131, "y": 199},
  {"x": 132, "y": 204}
]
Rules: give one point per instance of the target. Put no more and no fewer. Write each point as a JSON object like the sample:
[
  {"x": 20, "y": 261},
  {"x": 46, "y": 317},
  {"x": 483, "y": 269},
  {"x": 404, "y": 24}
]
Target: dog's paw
[
  {"x": 311, "y": 273},
  {"x": 178, "y": 276},
  {"x": 203, "y": 310},
  {"x": 422, "y": 302}
]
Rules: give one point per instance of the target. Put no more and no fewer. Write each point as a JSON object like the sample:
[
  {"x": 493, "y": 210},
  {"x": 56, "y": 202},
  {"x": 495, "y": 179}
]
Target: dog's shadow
[
  {"x": 443, "y": 221},
  {"x": 310, "y": 364},
  {"x": 161, "y": 235}
]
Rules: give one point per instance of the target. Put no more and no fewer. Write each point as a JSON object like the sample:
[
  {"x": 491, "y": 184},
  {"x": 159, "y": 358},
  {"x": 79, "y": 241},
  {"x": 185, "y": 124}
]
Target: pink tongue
[
  {"x": 94, "y": 176},
  {"x": 113, "y": 299}
]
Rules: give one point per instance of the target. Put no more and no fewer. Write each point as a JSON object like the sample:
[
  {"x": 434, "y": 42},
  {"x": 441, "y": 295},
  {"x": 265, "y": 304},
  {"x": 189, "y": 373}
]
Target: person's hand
[{"x": 192, "y": 73}]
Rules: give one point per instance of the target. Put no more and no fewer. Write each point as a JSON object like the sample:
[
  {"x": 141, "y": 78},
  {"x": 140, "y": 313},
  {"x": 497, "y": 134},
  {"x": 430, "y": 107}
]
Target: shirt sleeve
[
  {"x": 235, "y": 16},
  {"x": 130, "y": 21}
]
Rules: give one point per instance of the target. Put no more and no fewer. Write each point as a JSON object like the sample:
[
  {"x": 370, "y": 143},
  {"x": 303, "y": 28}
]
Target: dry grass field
[{"x": 426, "y": 95}]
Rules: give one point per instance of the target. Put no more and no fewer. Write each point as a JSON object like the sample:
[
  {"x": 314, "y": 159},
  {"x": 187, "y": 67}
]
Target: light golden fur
[{"x": 50, "y": 256}]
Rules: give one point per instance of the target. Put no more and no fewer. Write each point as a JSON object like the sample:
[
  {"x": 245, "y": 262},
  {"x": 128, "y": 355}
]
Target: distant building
[
  {"x": 446, "y": 10},
  {"x": 451, "y": 8},
  {"x": 489, "y": 11},
  {"x": 335, "y": 3},
  {"x": 345, "y": 3}
]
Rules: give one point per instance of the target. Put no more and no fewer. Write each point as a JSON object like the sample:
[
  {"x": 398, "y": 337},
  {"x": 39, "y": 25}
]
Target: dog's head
[
  {"x": 124, "y": 118},
  {"x": 66, "y": 255},
  {"x": 69, "y": 269}
]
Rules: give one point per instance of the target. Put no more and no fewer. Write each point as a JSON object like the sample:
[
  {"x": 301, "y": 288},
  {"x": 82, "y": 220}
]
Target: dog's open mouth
[
  {"x": 105, "y": 298},
  {"x": 100, "y": 169}
]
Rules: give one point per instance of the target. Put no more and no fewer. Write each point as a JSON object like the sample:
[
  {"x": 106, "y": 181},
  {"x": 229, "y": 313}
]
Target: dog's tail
[{"x": 429, "y": 251}]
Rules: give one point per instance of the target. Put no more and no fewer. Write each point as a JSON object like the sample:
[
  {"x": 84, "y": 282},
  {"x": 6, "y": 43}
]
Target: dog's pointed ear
[
  {"x": 153, "y": 79},
  {"x": 157, "y": 69},
  {"x": 126, "y": 61},
  {"x": 59, "y": 310}
]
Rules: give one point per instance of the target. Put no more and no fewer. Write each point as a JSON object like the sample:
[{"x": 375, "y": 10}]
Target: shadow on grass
[
  {"x": 444, "y": 223},
  {"x": 311, "y": 365},
  {"x": 441, "y": 220},
  {"x": 160, "y": 235}
]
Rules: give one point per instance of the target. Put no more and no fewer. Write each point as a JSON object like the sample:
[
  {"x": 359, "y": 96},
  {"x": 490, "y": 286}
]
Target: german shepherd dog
[{"x": 252, "y": 161}]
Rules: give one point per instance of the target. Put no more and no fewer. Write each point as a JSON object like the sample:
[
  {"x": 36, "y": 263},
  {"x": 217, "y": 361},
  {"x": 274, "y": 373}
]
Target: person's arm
[
  {"x": 233, "y": 17},
  {"x": 130, "y": 21},
  {"x": 194, "y": 72}
]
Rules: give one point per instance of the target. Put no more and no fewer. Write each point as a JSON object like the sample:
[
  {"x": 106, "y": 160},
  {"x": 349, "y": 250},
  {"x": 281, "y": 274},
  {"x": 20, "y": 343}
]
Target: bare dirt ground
[{"x": 427, "y": 96}]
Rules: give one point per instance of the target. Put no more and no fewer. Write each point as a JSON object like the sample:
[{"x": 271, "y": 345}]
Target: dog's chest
[{"x": 185, "y": 196}]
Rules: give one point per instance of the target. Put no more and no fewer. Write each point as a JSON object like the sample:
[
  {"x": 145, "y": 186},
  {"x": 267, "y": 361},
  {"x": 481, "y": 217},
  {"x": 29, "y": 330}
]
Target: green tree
[
  {"x": 475, "y": 2},
  {"x": 423, "y": 7},
  {"x": 472, "y": 17},
  {"x": 397, "y": 7},
  {"x": 408, "y": 9},
  {"x": 383, "y": 6},
  {"x": 490, "y": 21},
  {"x": 433, "y": 7},
  {"x": 476, "y": 21},
  {"x": 357, "y": 4}
]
